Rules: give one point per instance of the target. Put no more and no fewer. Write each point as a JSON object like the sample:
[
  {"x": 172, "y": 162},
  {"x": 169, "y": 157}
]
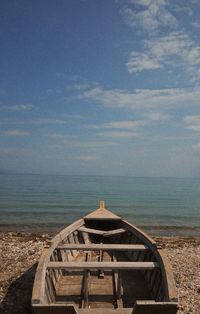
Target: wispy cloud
[
  {"x": 14, "y": 133},
  {"x": 172, "y": 51},
  {"x": 196, "y": 24},
  {"x": 140, "y": 61},
  {"x": 193, "y": 122},
  {"x": 126, "y": 124},
  {"x": 118, "y": 134},
  {"x": 94, "y": 144},
  {"x": 38, "y": 121},
  {"x": 158, "y": 116},
  {"x": 77, "y": 83},
  {"x": 25, "y": 107},
  {"x": 51, "y": 91},
  {"x": 144, "y": 98},
  {"x": 149, "y": 15},
  {"x": 59, "y": 136},
  {"x": 130, "y": 128}
]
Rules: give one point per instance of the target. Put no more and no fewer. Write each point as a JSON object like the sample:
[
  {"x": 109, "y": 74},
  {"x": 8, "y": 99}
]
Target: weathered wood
[
  {"x": 102, "y": 232},
  {"x": 105, "y": 311},
  {"x": 104, "y": 247},
  {"x": 100, "y": 259},
  {"x": 61, "y": 236},
  {"x": 102, "y": 213},
  {"x": 39, "y": 282},
  {"x": 103, "y": 265},
  {"x": 136, "y": 244},
  {"x": 140, "y": 234},
  {"x": 111, "y": 233},
  {"x": 90, "y": 230},
  {"x": 152, "y": 307},
  {"x": 116, "y": 287},
  {"x": 168, "y": 278},
  {"x": 55, "y": 309},
  {"x": 119, "y": 284}
]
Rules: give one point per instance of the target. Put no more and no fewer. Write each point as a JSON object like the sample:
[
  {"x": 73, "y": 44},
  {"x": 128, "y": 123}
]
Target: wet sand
[{"x": 19, "y": 254}]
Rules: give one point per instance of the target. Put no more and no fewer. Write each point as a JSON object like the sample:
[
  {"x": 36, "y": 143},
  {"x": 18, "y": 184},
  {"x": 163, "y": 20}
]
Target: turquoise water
[{"x": 45, "y": 203}]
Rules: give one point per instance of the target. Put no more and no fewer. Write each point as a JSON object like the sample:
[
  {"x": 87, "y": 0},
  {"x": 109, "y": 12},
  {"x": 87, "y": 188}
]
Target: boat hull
[{"x": 103, "y": 264}]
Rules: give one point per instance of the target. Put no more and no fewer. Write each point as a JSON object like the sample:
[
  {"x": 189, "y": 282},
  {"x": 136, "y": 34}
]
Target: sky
[{"x": 100, "y": 87}]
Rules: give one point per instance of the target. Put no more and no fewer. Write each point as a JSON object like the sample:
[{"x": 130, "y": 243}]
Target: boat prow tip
[{"x": 102, "y": 204}]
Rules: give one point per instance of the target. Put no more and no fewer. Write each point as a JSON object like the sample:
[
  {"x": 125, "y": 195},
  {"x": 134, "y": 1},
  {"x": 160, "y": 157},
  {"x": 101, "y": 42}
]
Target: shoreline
[
  {"x": 152, "y": 230},
  {"x": 20, "y": 252}
]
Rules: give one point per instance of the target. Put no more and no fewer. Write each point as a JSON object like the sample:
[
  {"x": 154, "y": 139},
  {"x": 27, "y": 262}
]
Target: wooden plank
[
  {"x": 167, "y": 274},
  {"x": 38, "y": 293},
  {"x": 152, "y": 307},
  {"x": 111, "y": 233},
  {"x": 104, "y": 247},
  {"x": 105, "y": 311},
  {"x": 90, "y": 230},
  {"x": 54, "y": 308},
  {"x": 103, "y": 265},
  {"x": 104, "y": 233},
  {"x": 140, "y": 234},
  {"x": 65, "y": 232}
]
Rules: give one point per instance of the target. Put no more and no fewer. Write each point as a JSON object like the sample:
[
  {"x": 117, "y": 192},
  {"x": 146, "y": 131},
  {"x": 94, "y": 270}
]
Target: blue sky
[{"x": 107, "y": 87}]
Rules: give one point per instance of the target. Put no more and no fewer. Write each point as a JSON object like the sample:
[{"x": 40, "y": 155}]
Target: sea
[{"x": 47, "y": 203}]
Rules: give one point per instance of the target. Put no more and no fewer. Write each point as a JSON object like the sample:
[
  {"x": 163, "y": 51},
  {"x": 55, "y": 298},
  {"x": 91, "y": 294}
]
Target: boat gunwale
[
  {"x": 39, "y": 281},
  {"x": 38, "y": 295},
  {"x": 167, "y": 274}
]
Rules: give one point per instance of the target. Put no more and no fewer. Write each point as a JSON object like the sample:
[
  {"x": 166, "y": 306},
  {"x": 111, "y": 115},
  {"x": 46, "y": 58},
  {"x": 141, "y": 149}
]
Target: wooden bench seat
[
  {"x": 103, "y": 265},
  {"x": 104, "y": 247}
]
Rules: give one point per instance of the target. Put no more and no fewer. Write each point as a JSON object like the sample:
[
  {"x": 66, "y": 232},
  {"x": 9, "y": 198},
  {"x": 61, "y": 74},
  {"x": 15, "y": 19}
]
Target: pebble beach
[{"x": 20, "y": 252}]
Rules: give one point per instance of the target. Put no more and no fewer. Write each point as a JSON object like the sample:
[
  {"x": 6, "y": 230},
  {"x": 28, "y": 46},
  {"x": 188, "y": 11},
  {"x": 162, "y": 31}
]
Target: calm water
[{"x": 46, "y": 203}]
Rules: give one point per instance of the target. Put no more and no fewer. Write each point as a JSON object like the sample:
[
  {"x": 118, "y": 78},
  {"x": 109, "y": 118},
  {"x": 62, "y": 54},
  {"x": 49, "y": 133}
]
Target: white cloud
[
  {"x": 126, "y": 124},
  {"x": 25, "y": 107},
  {"x": 196, "y": 24},
  {"x": 157, "y": 116},
  {"x": 94, "y": 144},
  {"x": 173, "y": 51},
  {"x": 144, "y": 98},
  {"x": 193, "y": 122},
  {"x": 141, "y": 61},
  {"x": 14, "y": 133},
  {"x": 118, "y": 134},
  {"x": 150, "y": 15},
  {"x": 59, "y": 136}
]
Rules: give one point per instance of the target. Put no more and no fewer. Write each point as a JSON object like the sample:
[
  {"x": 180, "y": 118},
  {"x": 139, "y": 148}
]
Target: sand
[{"x": 19, "y": 254}]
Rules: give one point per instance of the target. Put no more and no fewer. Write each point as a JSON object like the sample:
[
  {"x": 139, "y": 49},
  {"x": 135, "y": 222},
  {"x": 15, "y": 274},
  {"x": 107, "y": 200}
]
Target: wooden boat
[{"x": 103, "y": 264}]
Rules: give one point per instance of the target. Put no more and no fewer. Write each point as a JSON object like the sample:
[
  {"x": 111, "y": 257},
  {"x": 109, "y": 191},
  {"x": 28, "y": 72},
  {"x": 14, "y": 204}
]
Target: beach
[{"x": 20, "y": 252}]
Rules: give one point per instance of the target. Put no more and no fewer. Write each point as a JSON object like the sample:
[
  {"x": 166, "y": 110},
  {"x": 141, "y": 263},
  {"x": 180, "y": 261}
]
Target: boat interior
[{"x": 105, "y": 264}]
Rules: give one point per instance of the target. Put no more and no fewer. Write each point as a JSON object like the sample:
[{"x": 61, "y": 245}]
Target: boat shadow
[{"x": 18, "y": 297}]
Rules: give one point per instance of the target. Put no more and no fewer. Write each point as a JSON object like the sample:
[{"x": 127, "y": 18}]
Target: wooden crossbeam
[
  {"x": 104, "y": 247},
  {"x": 104, "y": 233},
  {"x": 103, "y": 265},
  {"x": 114, "y": 232},
  {"x": 90, "y": 230}
]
